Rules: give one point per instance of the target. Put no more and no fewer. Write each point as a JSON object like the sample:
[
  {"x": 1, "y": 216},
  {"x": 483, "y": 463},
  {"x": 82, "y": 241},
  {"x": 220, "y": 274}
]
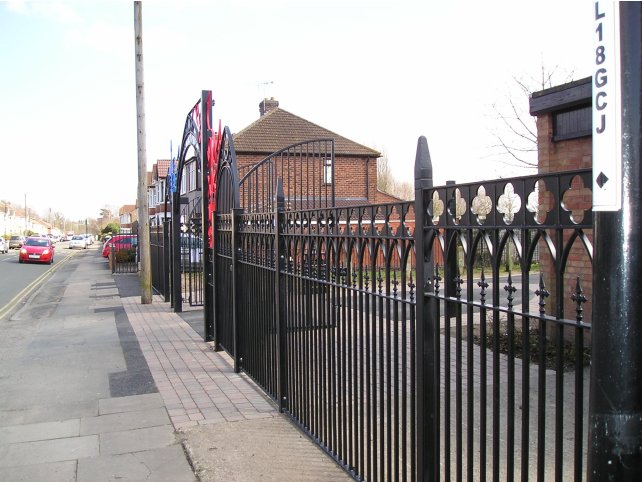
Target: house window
[
  {"x": 161, "y": 193},
  {"x": 327, "y": 171},
  {"x": 191, "y": 169},
  {"x": 183, "y": 184},
  {"x": 571, "y": 124}
]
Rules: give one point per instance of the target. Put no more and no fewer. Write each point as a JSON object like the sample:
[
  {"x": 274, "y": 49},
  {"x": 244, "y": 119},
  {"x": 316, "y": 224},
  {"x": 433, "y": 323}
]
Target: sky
[{"x": 381, "y": 73}]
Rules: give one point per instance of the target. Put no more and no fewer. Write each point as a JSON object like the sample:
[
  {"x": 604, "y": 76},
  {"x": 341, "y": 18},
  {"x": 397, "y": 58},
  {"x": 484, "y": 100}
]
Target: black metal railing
[
  {"x": 159, "y": 255},
  {"x": 472, "y": 363},
  {"x": 506, "y": 368},
  {"x": 329, "y": 334},
  {"x": 349, "y": 308}
]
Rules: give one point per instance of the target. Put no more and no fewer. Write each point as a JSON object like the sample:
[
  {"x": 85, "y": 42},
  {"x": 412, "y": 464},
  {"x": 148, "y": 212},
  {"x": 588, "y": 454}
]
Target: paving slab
[
  {"x": 14, "y": 412},
  {"x": 57, "y": 450},
  {"x": 139, "y": 440},
  {"x": 118, "y": 422},
  {"x": 165, "y": 464},
  {"x": 39, "y": 431},
  {"x": 130, "y": 404},
  {"x": 50, "y": 472}
]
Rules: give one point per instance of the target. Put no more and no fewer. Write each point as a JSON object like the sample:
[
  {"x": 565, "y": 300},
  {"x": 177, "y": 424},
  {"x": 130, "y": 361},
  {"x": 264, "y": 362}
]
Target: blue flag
[{"x": 171, "y": 176}]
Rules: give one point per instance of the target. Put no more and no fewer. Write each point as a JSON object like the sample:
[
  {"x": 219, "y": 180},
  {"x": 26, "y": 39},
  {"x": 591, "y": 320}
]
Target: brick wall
[
  {"x": 564, "y": 155},
  {"x": 556, "y": 157}
]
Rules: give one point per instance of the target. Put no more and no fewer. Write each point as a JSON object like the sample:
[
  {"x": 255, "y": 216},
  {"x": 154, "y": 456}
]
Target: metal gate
[
  {"x": 187, "y": 184},
  {"x": 227, "y": 203},
  {"x": 191, "y": 252},
  {"x": 124, "y": 252}
]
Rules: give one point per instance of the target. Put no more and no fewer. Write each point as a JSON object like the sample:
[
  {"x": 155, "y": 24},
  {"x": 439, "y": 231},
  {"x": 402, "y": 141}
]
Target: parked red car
[
  {"x": 37, "y": 249},
  {"x": 107, "y": 246}
]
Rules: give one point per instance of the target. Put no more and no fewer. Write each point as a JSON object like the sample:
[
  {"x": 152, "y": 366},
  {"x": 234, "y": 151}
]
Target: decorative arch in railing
[
  {"x": 199, "y": 145},
  {"x": 227, "y": 181},
  {"x": 307, "y": 171}
]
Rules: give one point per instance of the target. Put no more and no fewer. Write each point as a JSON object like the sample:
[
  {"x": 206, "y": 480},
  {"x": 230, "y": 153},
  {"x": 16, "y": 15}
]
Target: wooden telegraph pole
[{"x": 143, "y": 208}]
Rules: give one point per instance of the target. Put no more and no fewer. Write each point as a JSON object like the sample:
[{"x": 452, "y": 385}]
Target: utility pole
[
  {"x": 143, "y": 208},
  {"x": 6, "y": 210},
  {"x": 615, "y": 403}
]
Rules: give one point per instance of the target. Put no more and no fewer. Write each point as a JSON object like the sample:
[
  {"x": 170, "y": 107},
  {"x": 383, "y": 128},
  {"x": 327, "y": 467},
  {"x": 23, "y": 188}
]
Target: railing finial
[{"x": 423, "y": 165}]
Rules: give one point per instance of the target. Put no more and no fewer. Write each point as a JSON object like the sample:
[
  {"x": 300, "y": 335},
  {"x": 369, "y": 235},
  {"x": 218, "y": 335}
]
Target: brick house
[
  {"x": 127, "y": 216},
  {"x": 564, "y": 124},
  {"x": 156, "y": 181},
  {"x": 355, "y": 165}
]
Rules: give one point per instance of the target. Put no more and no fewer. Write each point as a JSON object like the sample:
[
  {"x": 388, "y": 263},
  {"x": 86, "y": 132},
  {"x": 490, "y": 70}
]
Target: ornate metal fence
[
  {"x": 472, "y": 363},
  {"x": 504, "y": 365},
  {"x": 348, "y": 305},
  {"x": 336, "y": 352},
  {"x": 159, "y": 244}
]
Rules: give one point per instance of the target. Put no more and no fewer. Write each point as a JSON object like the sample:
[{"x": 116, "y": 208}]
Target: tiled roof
[
  {"x": 126, "y": 208},
  {"x": 163, "y": 166},
  {"x": 160, "y": 169},
  {"x": 279, "y": 128}
]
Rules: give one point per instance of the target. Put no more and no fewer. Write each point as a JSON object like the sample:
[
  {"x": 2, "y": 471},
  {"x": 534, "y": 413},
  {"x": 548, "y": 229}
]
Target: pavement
[{"x": 95, "y": 386}]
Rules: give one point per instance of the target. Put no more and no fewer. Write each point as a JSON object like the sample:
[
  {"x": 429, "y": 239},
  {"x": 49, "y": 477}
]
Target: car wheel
[{"x": 19, "y": 261}]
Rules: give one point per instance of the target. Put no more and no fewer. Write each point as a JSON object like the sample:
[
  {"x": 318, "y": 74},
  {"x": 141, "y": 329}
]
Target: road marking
[{"x": 27, "y": 290}]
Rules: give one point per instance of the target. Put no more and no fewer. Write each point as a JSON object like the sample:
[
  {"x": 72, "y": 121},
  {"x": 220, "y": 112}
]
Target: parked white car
[
  {"x": 4, "y": 246},
  {"x": 78, "y": 242}
]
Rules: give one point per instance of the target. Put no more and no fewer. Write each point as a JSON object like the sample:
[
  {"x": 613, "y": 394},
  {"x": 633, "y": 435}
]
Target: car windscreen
[
  {"x": 127, "y": 241},
  {"x": 36, "y": 242}
]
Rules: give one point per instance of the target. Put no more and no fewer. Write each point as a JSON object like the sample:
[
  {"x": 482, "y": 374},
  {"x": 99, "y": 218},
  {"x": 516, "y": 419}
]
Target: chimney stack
[{"x": 267, "y": 105}]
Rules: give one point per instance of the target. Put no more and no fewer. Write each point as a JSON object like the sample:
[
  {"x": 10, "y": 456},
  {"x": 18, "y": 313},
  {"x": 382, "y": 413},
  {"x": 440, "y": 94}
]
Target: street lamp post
[{"x": 6, "y": 205}]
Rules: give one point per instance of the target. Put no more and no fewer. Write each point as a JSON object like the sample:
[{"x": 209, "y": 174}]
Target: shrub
[
  {"x": 127, "y": 255},
  {"x": 111, "y": 228}
]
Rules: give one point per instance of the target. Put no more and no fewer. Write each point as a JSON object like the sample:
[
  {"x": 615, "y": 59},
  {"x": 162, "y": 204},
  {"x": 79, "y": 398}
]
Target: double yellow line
[{"x": 27, "y": 290}]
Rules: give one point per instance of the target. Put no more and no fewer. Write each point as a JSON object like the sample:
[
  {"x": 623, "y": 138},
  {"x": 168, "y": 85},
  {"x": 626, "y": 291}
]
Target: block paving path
[{"x": 228, "y": 426}]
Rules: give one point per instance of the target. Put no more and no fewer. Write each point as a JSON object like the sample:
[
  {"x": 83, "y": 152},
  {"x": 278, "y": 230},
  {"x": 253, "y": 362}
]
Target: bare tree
[
  {"x": 106, "y": 213},
  {"x": 58, "y": 219},
  {"x": 517, "y": 134},
  {"x": 385, "y": 179},
  {"x": 387, "y": 183}
]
